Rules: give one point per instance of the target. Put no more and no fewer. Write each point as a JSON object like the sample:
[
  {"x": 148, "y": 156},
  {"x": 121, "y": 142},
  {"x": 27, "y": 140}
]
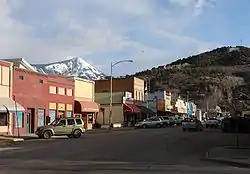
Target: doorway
[{"x": 30, "y": 126}]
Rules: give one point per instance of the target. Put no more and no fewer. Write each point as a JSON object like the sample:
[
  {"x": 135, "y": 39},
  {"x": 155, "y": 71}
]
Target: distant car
[
  {"x": 150, "y": 122},
  {"x": 212, "y": 123},
  {"x": 192, "y": 124},
  {"x": 70, "y": 126}
]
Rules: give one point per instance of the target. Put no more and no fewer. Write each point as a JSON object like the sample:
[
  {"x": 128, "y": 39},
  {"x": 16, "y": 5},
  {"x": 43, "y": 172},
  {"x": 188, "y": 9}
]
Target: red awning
[
  {"x": 131, "y": 108},
  {"x": 88, "y": 106}
]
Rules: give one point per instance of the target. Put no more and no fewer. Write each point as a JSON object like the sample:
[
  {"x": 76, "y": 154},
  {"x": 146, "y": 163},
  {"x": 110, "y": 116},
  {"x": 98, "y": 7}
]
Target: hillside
[{"x": 211, "y": 78}]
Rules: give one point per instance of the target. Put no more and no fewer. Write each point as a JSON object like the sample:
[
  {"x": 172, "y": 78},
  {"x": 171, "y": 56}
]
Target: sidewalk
[
  {"x": 7, "y": 139},
  {"x": 230, "y": 155}
]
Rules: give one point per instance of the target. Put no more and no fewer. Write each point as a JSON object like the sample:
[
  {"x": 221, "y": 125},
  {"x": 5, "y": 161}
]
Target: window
[
  {"x": 3, "y": 119},
  {"x": 62, "y": 123},
  {"x": 21, "y": 77},
  {"x": 19, "y": 119},
  {"x": 52, "y": 90},
  {"x": 71, "y": 121},
  {"x": 78, "y": 121},
  {"x": 90, "y": 118},
  {"x": 41, "y": 81},
  {"x": 41, "y": 117},
  {"x": 69, "y": 114},
  {"x": 52, "y": 115},
  {"x": 69, "y": 92},
  {"x": 61, "y": 91}
]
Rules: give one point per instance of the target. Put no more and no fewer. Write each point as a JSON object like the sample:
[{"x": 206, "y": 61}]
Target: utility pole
[{"x": 111, "y": 89}]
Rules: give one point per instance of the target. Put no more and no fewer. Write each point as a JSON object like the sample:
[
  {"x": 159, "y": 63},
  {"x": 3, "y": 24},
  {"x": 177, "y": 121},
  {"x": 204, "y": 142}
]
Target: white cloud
[
  {"x": 197, "y": 5},
  {"x": 89, "y": 27}
]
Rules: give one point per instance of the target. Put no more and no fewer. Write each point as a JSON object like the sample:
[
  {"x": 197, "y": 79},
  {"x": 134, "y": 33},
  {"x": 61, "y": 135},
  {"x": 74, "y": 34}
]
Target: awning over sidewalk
[
  {"x": 131, "y": 108},
  {"x": 86, "y": 106},
  {"x": 145, "y": 109},
  {"x": 10, "y": 105}
]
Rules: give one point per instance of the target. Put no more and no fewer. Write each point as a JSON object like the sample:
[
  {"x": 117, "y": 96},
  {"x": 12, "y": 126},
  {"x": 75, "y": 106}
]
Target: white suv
[{"x": 150, "y": 122}]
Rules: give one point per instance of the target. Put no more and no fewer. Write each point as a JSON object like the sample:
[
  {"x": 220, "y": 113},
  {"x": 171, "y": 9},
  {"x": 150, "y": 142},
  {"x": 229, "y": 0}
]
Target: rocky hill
[{"x": 211, "y": 78}]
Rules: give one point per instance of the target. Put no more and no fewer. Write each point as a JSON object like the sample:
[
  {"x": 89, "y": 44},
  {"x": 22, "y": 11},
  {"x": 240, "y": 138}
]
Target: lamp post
[{"x": 111, "y": 88}]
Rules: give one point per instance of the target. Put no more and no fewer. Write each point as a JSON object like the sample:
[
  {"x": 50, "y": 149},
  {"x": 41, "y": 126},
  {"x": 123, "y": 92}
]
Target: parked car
[
  {"x": 192, "y": 124},
  {"x": 150, "y": 122},
  {"x": 70, "y": 126},
  {"x": 212, "y": 123},
  {"x": 166, "y": 121}
]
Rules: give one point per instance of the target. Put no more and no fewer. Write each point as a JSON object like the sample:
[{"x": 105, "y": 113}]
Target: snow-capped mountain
[{"x": 71, "y": 67}]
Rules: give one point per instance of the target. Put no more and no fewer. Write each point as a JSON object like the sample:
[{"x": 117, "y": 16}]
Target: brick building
[
  {"x": 44, "y": 98},
  {"x": 133, "y": 85}
]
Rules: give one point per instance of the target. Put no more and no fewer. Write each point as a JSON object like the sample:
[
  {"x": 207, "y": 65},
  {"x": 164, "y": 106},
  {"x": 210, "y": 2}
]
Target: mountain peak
[{"x": 72, "y": 66}]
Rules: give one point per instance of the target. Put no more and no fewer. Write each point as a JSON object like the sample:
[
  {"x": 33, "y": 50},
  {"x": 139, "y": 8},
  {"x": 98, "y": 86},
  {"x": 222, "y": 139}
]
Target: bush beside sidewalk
[{"x": 234, "y": 156}]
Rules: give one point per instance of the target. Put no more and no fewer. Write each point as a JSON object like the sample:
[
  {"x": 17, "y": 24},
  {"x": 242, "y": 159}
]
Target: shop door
[
  {"x": 41, "y": 117},
  {"x": 28, "y": 125}
]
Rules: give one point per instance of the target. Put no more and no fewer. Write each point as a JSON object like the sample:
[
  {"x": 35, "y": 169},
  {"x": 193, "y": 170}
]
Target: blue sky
[{"x": 151, "y": 32}]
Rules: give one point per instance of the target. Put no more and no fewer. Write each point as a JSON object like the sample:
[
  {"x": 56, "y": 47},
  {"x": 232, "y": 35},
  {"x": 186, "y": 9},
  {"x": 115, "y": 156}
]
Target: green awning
[{"x": 145, "y": 110}]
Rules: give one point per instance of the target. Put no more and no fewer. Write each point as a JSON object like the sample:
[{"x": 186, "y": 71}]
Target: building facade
[
  {"x": 60, "y": 97},
  {"x": 84, "y": 100},
  {"x": 44, "y": 98},
  {"x": 134, "y": 85},
  {"x": 160, "y": 102},
  {"x": 9, "y": 109}
]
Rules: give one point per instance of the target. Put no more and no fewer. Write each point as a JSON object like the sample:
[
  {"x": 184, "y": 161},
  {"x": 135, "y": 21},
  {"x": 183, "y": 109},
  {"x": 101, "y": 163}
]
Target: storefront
[
  {"x": 86, "y": 110},
  {"x": 132, "y": 114},
  {"x": 8, "y": 120}
]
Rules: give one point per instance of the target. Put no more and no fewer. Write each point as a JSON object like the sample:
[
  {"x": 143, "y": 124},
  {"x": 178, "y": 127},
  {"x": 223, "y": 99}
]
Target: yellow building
[
  {"x": 8, "y": 107},
  {"x": 85, "y": 106}
]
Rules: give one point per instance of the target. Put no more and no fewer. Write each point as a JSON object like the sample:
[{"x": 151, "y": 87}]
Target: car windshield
[{"x": 55, "y": 122}]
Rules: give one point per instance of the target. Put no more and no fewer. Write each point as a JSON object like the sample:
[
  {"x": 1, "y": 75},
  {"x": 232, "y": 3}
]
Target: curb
[
  {"x": 11, "y": 140},
  {"x": 226, "y": 161},
  {"x": 229, "y": 162}
]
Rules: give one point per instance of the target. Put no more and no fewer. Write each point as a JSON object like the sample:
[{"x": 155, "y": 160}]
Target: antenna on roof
[{"x": 241, "y": 42}]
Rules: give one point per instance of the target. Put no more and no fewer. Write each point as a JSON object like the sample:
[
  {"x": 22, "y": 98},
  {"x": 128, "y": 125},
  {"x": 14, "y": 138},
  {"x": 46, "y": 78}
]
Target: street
[{"x": 168, "y": 148}]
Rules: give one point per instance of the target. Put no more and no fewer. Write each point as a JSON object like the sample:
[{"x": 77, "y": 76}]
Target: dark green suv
[{"x": 70, "y": 126}]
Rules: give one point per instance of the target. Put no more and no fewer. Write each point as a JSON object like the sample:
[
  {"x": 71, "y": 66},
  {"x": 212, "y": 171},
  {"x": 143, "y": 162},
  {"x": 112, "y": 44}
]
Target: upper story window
[
  {"x": 52, "y": 90},
  {"x": 21, "y": 77},
  {"x": 41, "y": 81},
  {"x": 61, "y": 91},
  {"x": 69, "y": 92}
]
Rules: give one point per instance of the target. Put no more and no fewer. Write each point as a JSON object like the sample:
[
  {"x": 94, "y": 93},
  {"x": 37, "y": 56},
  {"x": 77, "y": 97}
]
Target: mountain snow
[{"x": 71, "y": 67}]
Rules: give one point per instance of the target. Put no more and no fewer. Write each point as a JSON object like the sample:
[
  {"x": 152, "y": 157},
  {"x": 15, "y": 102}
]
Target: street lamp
[{"x": 111, "y": 88}]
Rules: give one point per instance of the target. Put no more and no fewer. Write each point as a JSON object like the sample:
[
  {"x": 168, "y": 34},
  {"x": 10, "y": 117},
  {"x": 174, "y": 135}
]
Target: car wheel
[
  {"x": 144, "y": 126},
  {"x": 47, "y": 134},
  {"x": 158, "y": 125},
  {"x": 77, "y": 133}
]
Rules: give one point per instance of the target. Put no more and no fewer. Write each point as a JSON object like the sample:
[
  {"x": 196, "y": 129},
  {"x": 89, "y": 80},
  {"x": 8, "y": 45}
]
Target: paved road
[{"x": 167, "y": 149}]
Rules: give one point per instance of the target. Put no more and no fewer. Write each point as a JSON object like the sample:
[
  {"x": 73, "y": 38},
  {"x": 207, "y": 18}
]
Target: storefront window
[
  {"x": 61, "y": 114},
  {"x": 52, "y": 115},
  {"x": 3, "y": 119},
  {"x": 41, "y": 117},
  {"x": 19, "y": 119},
  {"x": 90, "y": 118},
  {"x": 69, "y": 114}
]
